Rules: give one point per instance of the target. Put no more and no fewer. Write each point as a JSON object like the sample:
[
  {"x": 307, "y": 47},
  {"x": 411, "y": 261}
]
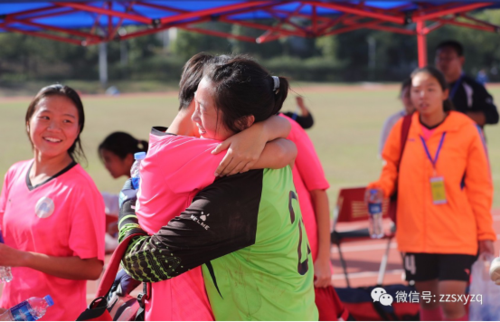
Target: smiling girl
[
  {"x": 444, "y": 195},
  {"x": 52, "y": 215}
]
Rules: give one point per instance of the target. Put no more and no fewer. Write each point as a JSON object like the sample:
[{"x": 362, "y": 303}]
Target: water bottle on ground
[
  {"x": 30, "y": 310},
  {"x": 5, "y": 271},
  {"x": 134, "y": 172},
  {"x": 376, "y": 228}
]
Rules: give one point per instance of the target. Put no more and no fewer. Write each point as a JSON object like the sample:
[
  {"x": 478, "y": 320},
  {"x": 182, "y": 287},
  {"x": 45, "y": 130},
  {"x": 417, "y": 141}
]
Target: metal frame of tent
[{"x": 317, "y": 18}]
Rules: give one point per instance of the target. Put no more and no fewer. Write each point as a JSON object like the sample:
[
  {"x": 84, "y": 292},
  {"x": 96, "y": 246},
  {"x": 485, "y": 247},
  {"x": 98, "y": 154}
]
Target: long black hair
[
  {"x": 434, "y": 72},
  {"x": 192, "y": 74},
  {"x": 242, "y": 88}
]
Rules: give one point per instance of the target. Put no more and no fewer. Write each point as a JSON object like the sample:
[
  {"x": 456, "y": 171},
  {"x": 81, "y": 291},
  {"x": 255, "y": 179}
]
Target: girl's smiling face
[
  {"x": 53, "y": 127},
  {"x": 206, "y": 116}
]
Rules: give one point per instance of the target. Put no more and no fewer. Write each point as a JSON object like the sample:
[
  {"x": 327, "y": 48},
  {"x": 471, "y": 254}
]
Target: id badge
[{"x": 438, "y": 191}]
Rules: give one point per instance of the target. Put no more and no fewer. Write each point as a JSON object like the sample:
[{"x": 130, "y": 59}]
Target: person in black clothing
[
  {"x": 305, "y": 118},
  {"x": 467, "y": 95}
]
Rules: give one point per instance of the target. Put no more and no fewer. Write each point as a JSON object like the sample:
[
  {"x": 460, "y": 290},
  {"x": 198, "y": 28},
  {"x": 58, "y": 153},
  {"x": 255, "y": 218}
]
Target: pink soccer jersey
[
  {"x": 61, "y": 217},
  {"x": 175, "y": 169},
  {"x": 308, "y": 175},
  {"x": 426, "y": 133}
]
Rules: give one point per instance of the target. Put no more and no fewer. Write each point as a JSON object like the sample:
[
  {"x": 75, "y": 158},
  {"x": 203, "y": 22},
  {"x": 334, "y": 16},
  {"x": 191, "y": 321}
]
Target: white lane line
[
  {"x": 365, "y": 247},
  {"x": 361, "y": 248},
  {"x": 365, "y": 274},
  {"x": 378, "y": 246}
]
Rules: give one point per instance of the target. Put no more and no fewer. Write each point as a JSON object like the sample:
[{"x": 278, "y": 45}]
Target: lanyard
[
  {"x": 433, "y": 161},
  {"x": 455, "y": 87}
]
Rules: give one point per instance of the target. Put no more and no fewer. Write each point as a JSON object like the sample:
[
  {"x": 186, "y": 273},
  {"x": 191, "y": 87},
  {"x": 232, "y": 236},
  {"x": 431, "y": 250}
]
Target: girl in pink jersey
[
  {"x": 171, "y": 176},
  {"x": 52, "y": 215}
]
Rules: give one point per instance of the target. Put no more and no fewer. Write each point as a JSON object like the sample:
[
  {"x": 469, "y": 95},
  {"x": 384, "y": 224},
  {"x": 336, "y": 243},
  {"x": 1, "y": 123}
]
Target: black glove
[{"x": 123, "y": 284}]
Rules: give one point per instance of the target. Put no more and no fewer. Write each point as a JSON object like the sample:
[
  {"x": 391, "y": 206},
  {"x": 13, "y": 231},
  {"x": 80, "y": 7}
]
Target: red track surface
[{"x": 363, "y": 260}]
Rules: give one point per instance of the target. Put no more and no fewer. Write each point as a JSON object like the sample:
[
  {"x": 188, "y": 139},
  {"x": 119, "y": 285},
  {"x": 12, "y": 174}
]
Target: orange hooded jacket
[{"x": 456, "y": 226}]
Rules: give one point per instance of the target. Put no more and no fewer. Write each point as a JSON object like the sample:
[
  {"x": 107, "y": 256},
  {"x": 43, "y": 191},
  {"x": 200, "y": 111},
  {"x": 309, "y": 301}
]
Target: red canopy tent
[{"x": 90, "y": 22}]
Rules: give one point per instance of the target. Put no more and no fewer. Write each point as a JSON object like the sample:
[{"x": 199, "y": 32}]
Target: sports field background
[{"x": 348, "y": 121}]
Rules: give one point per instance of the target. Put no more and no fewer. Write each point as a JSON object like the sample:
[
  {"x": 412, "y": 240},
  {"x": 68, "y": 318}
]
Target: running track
[{"x": 363, "y": 260}]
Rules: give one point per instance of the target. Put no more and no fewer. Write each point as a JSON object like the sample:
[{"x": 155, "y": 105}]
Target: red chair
[
  {"x": 351, "y": 207},
  {"x": 111, "y": 224}
]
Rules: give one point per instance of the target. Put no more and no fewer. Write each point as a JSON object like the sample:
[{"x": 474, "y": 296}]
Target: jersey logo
[
  {"x": 44, "y": 207},
  {"x": 201, "y": 220}
]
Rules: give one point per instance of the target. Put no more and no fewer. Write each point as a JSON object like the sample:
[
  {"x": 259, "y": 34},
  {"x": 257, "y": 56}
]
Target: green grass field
[{"x": 345, "y": 134}]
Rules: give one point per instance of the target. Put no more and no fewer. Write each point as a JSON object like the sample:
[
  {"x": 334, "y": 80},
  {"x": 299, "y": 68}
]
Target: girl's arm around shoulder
[
  {"x": 246, "y": 148},
  {"x": 277, "y": 154}
]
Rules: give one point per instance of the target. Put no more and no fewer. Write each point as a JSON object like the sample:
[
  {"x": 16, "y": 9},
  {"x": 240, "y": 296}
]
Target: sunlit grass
[{"x": 347, "y": 126}]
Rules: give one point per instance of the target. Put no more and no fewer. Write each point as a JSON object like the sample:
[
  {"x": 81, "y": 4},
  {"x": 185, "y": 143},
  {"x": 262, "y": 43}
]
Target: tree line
[{"x": 362, "y": 55}]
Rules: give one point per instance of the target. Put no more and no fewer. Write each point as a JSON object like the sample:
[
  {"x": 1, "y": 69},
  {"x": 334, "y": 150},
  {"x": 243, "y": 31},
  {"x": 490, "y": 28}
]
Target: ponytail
[
  {"x": 142, "y": 145},
  {"x": 242, "y": 88},
  {"x": 122, "y": 144}
]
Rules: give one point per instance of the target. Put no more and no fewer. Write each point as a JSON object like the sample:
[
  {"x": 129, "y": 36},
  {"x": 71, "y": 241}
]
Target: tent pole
[
  {"x": 103, "y": 64},
  {"x": 422, "y": 44}
]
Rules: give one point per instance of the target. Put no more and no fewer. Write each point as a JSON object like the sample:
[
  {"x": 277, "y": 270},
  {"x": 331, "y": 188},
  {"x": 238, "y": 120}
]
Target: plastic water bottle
[
  {"x": 5, "y": 271},
  {"x": 30, "y": 310},
  {"x": 134, "y": 172},
  {"x": 376, "y": 228},
  {"x": 495, "y": 270}
]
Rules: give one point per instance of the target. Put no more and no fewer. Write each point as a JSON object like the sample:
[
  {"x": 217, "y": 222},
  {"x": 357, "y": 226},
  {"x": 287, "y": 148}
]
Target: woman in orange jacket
[{"x": 445, "y": 194}]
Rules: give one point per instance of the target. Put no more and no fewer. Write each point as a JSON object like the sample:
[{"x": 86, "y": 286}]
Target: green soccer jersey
[{"x": 247, "y": 232}]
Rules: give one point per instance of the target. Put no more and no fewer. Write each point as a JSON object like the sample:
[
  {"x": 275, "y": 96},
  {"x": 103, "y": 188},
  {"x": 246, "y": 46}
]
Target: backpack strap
[
  {"x": 97, "y": 311},
  {"x": 405, "y": 130},
  {"x": 110, "y": 273}
]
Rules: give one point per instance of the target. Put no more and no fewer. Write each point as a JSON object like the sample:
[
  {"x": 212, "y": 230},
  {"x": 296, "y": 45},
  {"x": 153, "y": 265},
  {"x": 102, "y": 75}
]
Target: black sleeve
[
  {"x": 221, "y": 219},
  {"x": 306, "y": 122},
  {"x": 483, "y": 102}
]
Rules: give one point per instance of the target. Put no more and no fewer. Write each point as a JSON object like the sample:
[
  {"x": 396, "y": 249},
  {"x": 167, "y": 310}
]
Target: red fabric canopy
[{"x": 92, "y": 22}]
